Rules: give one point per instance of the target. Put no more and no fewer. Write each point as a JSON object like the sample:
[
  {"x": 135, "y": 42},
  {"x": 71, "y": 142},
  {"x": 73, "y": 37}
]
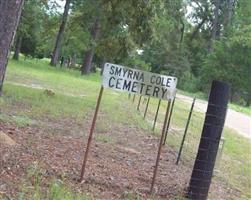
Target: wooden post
[
  {"x": 91, "y": 134},
  {"x": 160, "y": 147}
]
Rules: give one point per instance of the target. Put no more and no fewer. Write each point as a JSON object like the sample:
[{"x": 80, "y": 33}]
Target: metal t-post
[
  {"x": 91, "y": 134},
  {"x": 139, "y": 102},
  {"x": 160, "y": 147},
  {"x": 133, "y": 99},
  {"x": 169, "y": 120},
  {"x": 156, "y": 115},
  {"x": 185, "y": 132},
  {"x": 147, "y": 104}
]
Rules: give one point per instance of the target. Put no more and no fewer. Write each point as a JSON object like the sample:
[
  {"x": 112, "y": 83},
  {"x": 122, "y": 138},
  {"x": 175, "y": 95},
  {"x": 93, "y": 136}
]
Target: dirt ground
[
  {"x": 120, "y": 167},
  {"x": 235, "y": 120}
]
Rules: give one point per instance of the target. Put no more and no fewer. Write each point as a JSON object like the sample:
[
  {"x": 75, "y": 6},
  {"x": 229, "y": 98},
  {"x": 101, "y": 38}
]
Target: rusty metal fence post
[
  {"x": 185, "y": 132},
  {"x": 91, "y": 134},
  {"x": 133, "y": 99},
  {"x": 139, "y": 103},
  {"x": 146, "y": 108},
  {"x": 156, "y": 115},
  {"x": 169, "y": 120},
  {"x": 160, "y": 147}
]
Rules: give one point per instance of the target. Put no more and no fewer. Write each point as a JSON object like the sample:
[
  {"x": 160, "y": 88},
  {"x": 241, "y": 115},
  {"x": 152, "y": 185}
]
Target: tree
[
  {"x": 230, "y": 61},
  {"x": 10, "y": 12},
  {"x": 87, "y": 62},
  {"x": 122, "y": 25},
  {"x": 216, "y": 24},
  {"x": 59, "y": 38},
  {"x": 18, "y": 45},
  {"x": 29, "y": 29}
]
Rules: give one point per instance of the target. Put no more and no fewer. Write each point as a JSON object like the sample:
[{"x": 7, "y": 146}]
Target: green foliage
[
  {"x": 189, "y": 82},
  {"x": 231, "y": 62},
  {"x": 31, "y": 27},
  {"x": 173, "y": 37}
]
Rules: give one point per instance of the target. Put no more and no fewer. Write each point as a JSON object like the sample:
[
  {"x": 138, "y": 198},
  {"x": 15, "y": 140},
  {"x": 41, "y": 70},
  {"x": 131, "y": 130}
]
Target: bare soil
[{"x": 119, "y": 168}]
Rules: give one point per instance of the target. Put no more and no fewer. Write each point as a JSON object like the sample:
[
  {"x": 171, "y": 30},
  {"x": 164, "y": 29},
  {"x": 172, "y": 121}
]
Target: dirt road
[{"x": 235, "y": 120}]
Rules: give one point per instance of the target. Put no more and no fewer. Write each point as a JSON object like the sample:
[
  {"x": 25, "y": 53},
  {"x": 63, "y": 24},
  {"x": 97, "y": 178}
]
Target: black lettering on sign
[
  {"x": 134, "y": 86},
  {"x": 164, "y": 90},
  {"x": 130, "y": 73},
  {"x": 158, "y": 80},
  {"x": 148, "y": 89},
  {"x": 111, "y": 85},
  {"x": 168, "y": 82},
  {"x": 163, "y": 81},
  {"x": 152, "y": 80},
  {"x": 118, "y": 71},
  {"x": 124, "y": 72},
  {"x": 127, "y": 85},
  {"x": 136, "y": 75},
  {"x": 118, "y": 83},
  {"x": 112, "y": 70},
  {"x": 156, "y": 91},
  {"x": 141, "y": 78},
  {"x": 141, "y": 88}
]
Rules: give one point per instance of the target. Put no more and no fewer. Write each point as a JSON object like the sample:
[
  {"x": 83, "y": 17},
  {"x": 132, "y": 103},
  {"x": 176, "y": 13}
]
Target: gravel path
[{"x": 235, "y": 120}]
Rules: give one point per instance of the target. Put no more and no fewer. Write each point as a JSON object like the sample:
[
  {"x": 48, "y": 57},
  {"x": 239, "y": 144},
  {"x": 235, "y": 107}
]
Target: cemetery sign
[{"x": 121, "y": 78}]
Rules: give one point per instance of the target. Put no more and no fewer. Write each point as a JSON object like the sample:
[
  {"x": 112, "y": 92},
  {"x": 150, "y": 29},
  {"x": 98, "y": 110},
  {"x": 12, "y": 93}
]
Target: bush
[{"x": 189, "y": 82}]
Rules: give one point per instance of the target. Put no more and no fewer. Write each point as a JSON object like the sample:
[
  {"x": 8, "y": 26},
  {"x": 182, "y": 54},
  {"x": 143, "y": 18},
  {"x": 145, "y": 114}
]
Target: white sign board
[{"x": 130, "y": 80}]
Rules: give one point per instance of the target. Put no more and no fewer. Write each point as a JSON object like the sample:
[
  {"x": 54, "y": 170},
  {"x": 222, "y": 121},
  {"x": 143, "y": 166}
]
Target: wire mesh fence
[{"x": 153, "y": 111}]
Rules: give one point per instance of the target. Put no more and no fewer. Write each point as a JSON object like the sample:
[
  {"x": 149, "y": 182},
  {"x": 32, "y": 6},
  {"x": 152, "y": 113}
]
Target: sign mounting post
[
  {"x": 139, "y": 82},
  {"x": 91, "y": 133}
]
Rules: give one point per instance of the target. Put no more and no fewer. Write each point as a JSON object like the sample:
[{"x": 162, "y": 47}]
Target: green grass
[
  {"x": 235, "y": 163},
  {"x": 74, "y": 95},
  {"x": 242, "y": 109},
  {"x": 74, "y": 98},
  {"x": 57, "y": 190}
]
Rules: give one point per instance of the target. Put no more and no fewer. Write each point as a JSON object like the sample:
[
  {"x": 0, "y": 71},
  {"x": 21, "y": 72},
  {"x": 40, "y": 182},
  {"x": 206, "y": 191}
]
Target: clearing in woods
[{"x": 47, "y": 113}]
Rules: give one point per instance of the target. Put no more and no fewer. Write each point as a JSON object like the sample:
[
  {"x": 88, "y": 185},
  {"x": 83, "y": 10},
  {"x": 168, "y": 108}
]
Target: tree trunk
[
  {"x": 197, "y": 29},
  {"x": 215, "y": 28},
  {"x": 182, "y": 32},
  {"x": 18, "y": 45},
  {"x": 73, "y": 60},
  {"x": 87, "y": 62},
  {"x": 248, "y": 100},
  {"x": 102, "y": 66},
  {"x": 57, "y": 48},
  {"x": 230, "y": 4},
  {"x": 68, "y": 62},
  {"x": 10, "y": 12}
]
